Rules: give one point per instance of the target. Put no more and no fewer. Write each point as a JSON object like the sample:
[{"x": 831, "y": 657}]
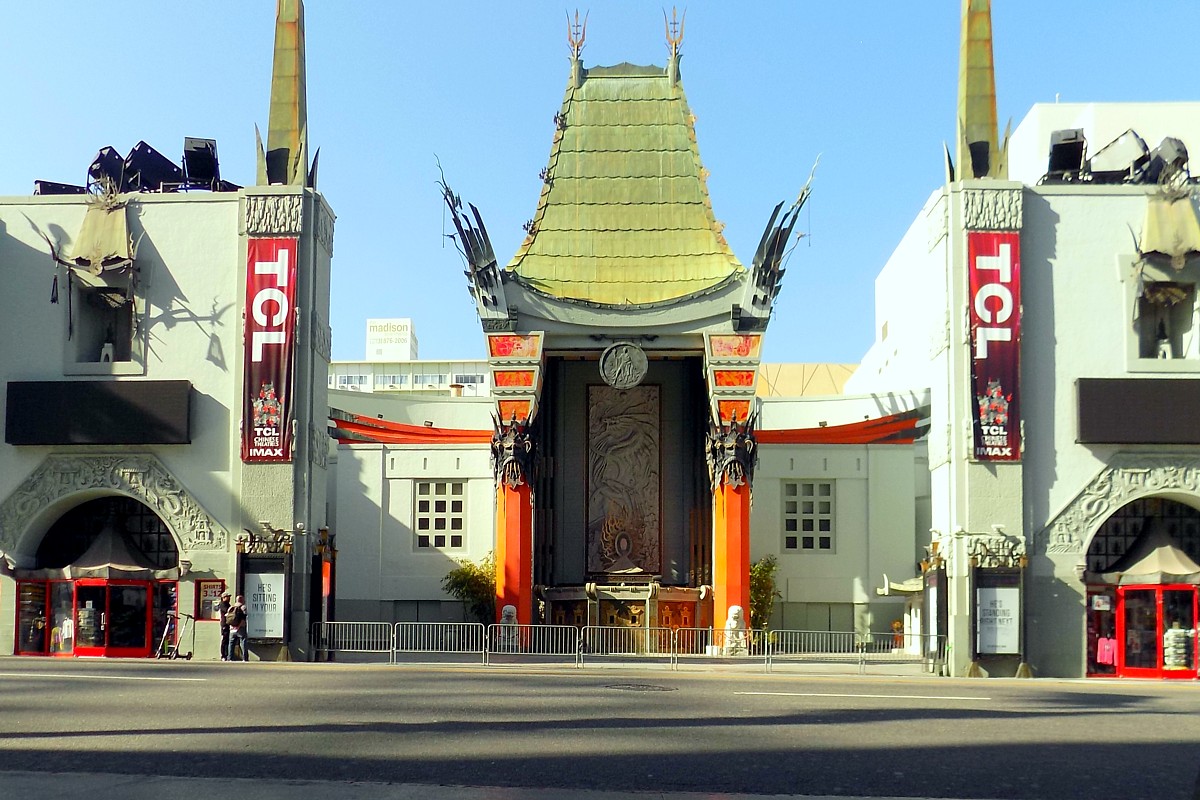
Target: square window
[
  {"x": 811, "y": 512},
  {"x": 440, "y": 513},
  {"x": 422, "y": 541}
]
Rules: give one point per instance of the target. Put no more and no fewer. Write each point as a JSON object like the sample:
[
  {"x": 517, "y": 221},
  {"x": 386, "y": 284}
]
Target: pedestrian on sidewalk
[{"x": 237, "y": 629}]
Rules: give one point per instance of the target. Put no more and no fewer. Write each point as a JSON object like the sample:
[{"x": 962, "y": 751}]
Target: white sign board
[
  {"x": 264, "y": 605},
  {"x": 391, "y": 340},
  {"x": 996, "y": 615}
]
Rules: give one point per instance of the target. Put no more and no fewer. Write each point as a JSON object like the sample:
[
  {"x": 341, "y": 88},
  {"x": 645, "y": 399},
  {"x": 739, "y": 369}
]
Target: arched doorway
[
  {"x": 105, "y": 583},
  {"x": 1143, "y": 570}
]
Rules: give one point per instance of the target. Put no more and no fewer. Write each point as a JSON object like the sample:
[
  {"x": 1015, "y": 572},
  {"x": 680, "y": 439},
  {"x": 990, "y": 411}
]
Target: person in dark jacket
[
  {"x": 237, "y": 629},
  {"x": 224, "y": 611}
]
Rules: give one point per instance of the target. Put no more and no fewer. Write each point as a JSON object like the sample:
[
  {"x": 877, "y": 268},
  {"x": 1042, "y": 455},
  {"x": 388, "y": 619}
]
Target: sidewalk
[{"x": 162, "y": 787}]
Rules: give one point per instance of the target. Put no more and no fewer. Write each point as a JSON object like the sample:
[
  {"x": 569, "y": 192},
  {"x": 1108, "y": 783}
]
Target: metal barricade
[
  {"x": 890, "y": 651},
  {"x": 830, "y": 647},
  {"x": 440, "y": 638},
  {"x": 537, "y": 643},
  {"x": 628, "y": 644},
  {"x": 353, "y": 637}
]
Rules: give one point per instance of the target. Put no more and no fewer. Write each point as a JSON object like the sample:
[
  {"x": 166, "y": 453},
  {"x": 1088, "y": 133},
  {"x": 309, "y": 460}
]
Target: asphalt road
[{"x": 603, "y": 728}]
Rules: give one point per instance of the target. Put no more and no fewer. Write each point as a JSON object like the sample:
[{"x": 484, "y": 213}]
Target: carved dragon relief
[
  {"x": 730, "y": 450},
  {"x": 1127, "y": 478},
  {"x": 513, "y": 451},
  {"x": 139, "y": 476}
]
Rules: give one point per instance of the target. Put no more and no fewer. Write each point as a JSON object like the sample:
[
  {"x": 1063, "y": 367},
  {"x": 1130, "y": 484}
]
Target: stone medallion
[{"x": 623, "y": 365}]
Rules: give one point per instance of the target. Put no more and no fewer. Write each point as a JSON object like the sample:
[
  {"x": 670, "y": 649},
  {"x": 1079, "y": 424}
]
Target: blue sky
[{"x": 870, "y": 86}]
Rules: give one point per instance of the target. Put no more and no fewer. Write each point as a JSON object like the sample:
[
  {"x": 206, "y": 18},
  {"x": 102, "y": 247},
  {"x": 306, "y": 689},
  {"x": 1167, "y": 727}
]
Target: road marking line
[
  {"x": 93, "y": 677},
  {"x": 869, "y": 696}
]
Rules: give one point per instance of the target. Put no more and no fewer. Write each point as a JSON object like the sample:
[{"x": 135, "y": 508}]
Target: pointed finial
[
  {"x": 576, "y": 33},
  {"x": 286, "y": 155},
  {"x": 980, "y": 154},
  {"x": 674, "y": 30}
]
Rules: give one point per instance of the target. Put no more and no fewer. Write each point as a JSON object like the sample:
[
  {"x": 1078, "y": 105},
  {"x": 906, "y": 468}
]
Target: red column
[
  {"x": 514, "y": 550},
  {"x": 731, "y": 551}
]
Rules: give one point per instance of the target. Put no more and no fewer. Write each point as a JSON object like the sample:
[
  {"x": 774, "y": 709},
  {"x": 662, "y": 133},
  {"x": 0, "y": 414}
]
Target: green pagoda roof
[{"x": 624, "y": 216}]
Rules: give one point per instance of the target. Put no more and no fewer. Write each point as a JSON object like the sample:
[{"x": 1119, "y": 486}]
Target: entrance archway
[
  {"x": 105, "y": 583},
  {"x": 1143, "y": 573}
]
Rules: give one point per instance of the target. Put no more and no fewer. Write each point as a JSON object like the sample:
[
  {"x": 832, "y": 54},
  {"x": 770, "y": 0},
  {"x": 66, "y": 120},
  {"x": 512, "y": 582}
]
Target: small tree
[
  {"x": 762, "y": 591},
  {"x": 475, "y": 585}
]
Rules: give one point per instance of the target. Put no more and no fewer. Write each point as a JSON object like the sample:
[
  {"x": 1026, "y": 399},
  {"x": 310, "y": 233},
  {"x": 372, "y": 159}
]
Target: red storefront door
[
  {"x": 112, "y": 618},
  {"x": 1156, "y": 631}
]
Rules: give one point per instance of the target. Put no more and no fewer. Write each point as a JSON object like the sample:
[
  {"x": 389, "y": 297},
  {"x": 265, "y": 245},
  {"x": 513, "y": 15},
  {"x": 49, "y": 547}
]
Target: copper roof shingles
[{"x": 625, "y": 216}]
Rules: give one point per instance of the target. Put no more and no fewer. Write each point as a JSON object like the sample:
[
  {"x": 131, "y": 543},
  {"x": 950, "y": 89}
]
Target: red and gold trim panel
[
  {"x": 514, "y": 378},
  {"x": 734, "y": 346},
  {"x": 730, "y": 410},
  {"x": 731, "y": 378},
  {"x": 524, "y": 347}
]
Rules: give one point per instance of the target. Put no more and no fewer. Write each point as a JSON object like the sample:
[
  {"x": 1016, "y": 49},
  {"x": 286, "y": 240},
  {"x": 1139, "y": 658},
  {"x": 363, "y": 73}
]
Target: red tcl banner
[
  {"x": 995, "y": 300},
  {"x": 270, "y": 346}
]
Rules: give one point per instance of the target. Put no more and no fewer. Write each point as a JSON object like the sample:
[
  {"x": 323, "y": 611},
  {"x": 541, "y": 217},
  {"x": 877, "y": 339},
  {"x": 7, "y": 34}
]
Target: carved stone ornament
[
  {"x": 512, "y": 453},
  {"x": 623, "y": 365},
  {"x": 141, "y": 477},
  {"x": 996, "y": 550},
  {"x": 270, "y": 541},
  {"x": 992, "y": 209},
  {"x": 324, "y": 229},
  {"x": 1127, "y": 478},
  {"x": 274, "y": 215},
  {"x": 732, "y": 452}
]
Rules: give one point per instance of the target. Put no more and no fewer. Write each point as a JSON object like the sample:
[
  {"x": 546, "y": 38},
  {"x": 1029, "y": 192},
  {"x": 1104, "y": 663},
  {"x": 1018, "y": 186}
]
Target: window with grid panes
[
  {"x": 440, "y": 516},
  {"x": 808, "y": 516}
]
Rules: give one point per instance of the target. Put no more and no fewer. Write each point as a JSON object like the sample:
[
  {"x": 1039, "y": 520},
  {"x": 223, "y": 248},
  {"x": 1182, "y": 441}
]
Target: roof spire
[
  {"x": 674, "y": 28},
  {"x": 576, "y": 33},
  {"x": 980, "y": 155},
  {"x": 286, "y": 158}
]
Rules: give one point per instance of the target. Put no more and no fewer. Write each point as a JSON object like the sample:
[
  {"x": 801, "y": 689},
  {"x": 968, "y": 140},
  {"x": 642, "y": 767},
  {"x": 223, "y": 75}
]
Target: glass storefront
[
  {"x": 1142, "y": 631},
  {"x": 94, "y": 617}
]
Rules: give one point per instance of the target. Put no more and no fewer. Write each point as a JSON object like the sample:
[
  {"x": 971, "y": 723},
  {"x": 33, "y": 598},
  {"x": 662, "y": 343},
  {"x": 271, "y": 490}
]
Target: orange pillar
[
  {"x": 731, "y": 551},
  {"x": 514, "y": 550}
]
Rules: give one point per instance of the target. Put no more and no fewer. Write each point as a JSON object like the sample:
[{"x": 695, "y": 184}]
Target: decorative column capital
[
  {"x": 513, "y": 450},
  {"x": 731, "y": 451}
]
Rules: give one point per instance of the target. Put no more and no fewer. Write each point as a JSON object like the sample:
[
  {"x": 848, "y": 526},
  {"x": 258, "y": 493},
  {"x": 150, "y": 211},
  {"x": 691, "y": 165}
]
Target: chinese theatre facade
[{"x": 623, "y": 338}]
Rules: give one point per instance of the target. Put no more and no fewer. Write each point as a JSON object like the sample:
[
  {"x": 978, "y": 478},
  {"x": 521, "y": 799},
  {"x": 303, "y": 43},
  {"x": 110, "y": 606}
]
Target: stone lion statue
[{"x": 735, "y": 632}]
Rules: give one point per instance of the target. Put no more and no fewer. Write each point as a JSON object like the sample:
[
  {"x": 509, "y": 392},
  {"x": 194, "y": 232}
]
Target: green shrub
[
  {"x": 762, "y": 591},
  {"x": 475, "y": 585}
]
